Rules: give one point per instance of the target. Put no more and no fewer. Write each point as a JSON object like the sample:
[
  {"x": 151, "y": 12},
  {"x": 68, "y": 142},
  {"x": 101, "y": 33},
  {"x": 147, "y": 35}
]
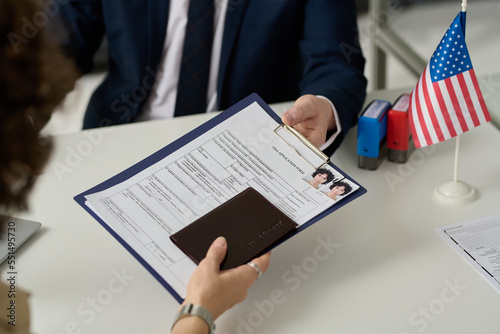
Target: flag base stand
[{"x": 454, "y": 193}]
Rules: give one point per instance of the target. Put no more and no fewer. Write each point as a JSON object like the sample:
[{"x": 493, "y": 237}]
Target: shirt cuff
[{"x": 334, "y": 135}]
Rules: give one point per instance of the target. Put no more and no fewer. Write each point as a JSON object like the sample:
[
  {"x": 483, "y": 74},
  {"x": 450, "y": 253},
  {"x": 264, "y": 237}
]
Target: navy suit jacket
[{"x": 280, "y": 49}]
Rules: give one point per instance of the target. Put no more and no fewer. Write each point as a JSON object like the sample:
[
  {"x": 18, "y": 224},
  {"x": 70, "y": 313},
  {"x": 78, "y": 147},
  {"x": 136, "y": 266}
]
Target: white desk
[{"x": 388, "y": 272}]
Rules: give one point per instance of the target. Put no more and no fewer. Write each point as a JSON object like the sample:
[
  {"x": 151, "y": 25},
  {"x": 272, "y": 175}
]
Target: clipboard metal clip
[{"x": 324, "y": 158}]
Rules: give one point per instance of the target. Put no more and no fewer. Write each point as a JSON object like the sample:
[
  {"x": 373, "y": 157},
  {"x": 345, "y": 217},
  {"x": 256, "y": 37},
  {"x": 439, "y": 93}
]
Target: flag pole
[
  {"x": 457, "y": 148},
  {"x": 457, "y": 142},
  {"x": 455, "y": 192}
]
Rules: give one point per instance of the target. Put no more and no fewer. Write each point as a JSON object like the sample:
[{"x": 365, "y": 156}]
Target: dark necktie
[{"x": 195, "y": 66}]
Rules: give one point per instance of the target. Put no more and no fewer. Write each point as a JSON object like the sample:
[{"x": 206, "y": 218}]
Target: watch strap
[{"x": 196, "y": 310}]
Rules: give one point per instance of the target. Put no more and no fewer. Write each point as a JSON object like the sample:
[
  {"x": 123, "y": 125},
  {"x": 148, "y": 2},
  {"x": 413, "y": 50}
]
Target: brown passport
[{"x": 249, "y": 222}]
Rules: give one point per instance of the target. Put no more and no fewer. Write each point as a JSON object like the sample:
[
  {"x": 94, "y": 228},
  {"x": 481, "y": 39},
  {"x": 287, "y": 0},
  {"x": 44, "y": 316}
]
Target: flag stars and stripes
[
  {"x": 447, "y": 100},
  {"x": 450, "y": 51}
]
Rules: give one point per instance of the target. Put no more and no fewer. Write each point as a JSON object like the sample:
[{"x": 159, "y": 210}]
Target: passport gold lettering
[{"x": 265, "y": 234}]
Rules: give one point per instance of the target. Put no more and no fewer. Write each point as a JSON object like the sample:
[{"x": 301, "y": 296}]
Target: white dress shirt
[{"x": 161, "y": 101}]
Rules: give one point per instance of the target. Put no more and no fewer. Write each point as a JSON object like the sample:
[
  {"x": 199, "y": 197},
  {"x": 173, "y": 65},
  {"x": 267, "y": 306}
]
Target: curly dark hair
[
  {"x": 347, "y": 187},
  {"x": 34, "y": 79},
  {"x": 329, "y": 174}
]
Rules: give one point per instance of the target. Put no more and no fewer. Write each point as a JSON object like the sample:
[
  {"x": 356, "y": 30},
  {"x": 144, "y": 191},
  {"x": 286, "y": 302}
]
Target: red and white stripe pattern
[{"x": 447, "y": 100}]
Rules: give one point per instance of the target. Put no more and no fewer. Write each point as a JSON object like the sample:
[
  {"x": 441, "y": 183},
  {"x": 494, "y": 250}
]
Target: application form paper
[
  {"x": 478, "y": 241},
  {"x": 160, "y": 195}
]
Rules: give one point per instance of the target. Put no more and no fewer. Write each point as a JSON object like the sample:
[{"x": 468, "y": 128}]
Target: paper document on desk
[
  {"x": 144, "y": 205},
  {"x": 478, "y": 241}
]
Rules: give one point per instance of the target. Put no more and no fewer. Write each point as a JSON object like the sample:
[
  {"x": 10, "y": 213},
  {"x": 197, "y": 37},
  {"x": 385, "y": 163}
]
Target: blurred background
[{"x": 419, "y": 23}]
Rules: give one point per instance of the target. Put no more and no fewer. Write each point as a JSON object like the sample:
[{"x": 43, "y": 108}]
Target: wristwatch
[{"x": 199, "y": 311}]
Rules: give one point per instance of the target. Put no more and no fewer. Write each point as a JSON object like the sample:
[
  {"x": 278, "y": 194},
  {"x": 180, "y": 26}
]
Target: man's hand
[{"x": 312, "y": 116}]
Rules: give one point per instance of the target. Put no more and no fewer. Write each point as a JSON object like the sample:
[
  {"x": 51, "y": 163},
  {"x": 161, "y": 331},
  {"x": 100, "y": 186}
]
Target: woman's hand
[{"x": 218, "y": 290}]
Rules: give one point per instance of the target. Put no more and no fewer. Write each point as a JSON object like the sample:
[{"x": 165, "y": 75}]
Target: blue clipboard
[{"x": 179, "y": 143}]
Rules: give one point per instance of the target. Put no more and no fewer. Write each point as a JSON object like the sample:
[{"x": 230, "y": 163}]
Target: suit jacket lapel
[{"x": 234, "y": 16}]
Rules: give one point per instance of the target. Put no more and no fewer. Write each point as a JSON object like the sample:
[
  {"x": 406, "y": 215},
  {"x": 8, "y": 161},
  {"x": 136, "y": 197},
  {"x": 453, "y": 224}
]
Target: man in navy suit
[{"x": 302, "y": 50}]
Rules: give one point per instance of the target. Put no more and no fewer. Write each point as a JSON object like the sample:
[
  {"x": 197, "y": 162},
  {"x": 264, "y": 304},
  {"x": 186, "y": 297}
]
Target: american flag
[{"x": 447, "y": 100}]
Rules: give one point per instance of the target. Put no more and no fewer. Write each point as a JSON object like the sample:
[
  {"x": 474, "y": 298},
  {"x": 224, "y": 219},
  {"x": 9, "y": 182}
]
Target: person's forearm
[{"x": 190, "y": 325}]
